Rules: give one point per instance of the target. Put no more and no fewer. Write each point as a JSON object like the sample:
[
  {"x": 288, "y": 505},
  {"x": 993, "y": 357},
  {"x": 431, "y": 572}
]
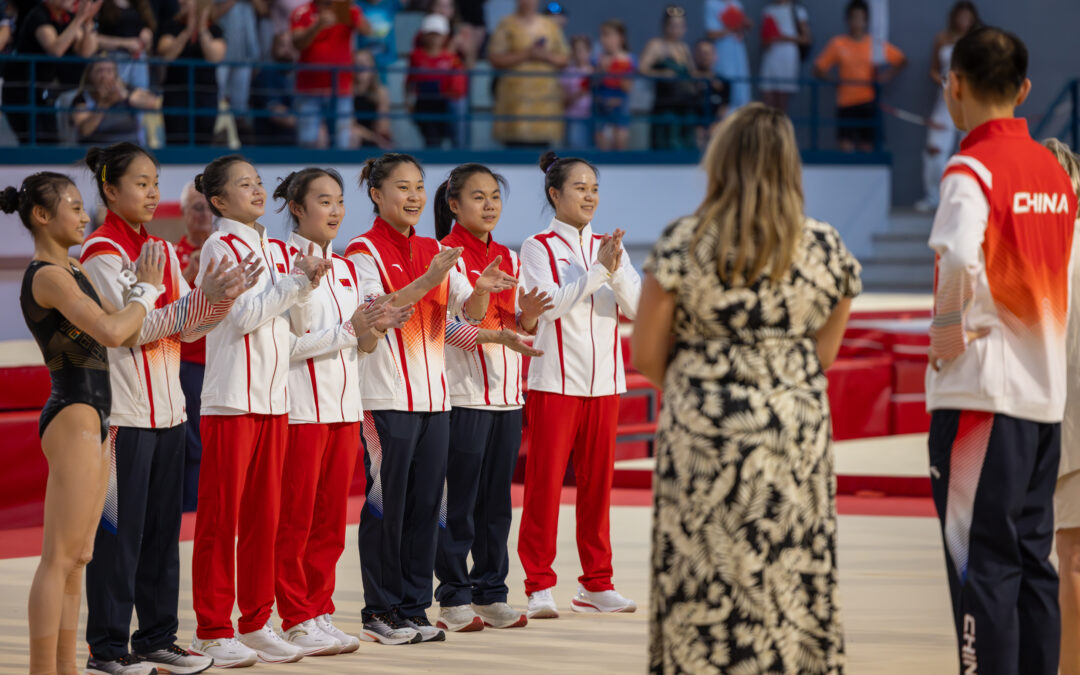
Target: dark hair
[
  {"x": 964, "y": 6},
  {"x": 110, "y": 13},
  {"x": 378, "y": 169},
  {"x": 451, "y": 189},
  {"x": 557, "y": 169},
  {"x": 672, "y": 12},
  {"x": 581, "y": 38},
  {"x": 619, "y": 27},
  {"x": 993, "y": 61},
  {"x": 211, "y": 182},
  {"x": 40, "y": 189},
  {"x": 855, "y": 6},
  {"x": 294, "y": 187},
  {"x": 111, "y": 163}
]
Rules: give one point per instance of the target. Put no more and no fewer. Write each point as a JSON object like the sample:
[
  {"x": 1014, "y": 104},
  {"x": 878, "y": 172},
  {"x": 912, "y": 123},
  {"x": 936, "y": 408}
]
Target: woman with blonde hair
[
  {"x": 756, "y": 296},
  {"x": 1067, "y": 490}
]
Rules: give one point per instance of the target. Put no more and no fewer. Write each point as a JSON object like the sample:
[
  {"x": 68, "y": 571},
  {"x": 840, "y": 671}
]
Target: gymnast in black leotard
[
  {"x": 72, "y": 325},
  {"x": 78, "y": 364}
]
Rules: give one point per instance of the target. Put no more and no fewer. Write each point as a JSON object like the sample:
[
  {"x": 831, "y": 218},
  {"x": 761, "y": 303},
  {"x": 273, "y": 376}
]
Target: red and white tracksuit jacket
[
  {"x": 407, "y": 370},
  {"x": 146, "y": 379},
  {"x": 247, "y": 357},
  {"x": 485, "y": 376},
  {"x": 580, "y": 335},
  {"x": 1003, "y": 237}
]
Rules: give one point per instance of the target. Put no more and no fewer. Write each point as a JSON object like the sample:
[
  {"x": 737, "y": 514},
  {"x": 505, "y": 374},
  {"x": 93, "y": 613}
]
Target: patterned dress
[
  {"x": 744, "y": 523},
  {"x": 534, "y": 95}
]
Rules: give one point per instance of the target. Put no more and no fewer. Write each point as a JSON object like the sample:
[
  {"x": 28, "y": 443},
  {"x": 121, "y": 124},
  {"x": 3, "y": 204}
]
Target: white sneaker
[
  {"x": 226, "y": 652},
  {"x": 542, "y": 605},
  {"x": 349, "y": 643},
  {"x": 270, "y": 647},
  {"x": 601, "y": 601},
  {"x": 500, "y": 615},
  {"x": 459, "y": 619},
  {"x": 311, "y": 641}
]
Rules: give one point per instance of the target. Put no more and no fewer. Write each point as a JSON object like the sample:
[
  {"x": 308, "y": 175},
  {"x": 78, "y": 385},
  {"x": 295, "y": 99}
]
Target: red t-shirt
[
  {"x": 332, "y": 46},
  {"x": 452, "y": 86},
  {"x": 193, "y": 352}
]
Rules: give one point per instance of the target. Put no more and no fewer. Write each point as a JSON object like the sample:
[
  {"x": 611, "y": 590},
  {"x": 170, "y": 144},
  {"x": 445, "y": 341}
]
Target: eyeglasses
[{"x": 674, "y": 10}]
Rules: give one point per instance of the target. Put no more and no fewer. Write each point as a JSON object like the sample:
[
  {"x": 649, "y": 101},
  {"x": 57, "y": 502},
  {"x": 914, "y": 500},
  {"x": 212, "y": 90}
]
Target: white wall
[{"x": 639, "y": 199}]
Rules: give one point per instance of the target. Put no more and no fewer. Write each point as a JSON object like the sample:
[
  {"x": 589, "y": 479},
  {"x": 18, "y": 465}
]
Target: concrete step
[{"x": 887, "y": 274}]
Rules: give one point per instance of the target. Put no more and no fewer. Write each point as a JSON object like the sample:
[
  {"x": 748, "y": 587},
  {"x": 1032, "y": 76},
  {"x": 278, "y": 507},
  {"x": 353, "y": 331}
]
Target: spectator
[
  {"x": 371, "y": 105},
  {"x": 557, "y": 13},
  {"x": 675, "y": 99},
  {"x": 714, "y": 92},
  {"x": 324, "y": 32},
  {"x": 104, "y": 111},
  {"x": 526, "y": 42},
  {"x": 473, "y": 23},
  {"x": 126, "y": 32},
  {"x": 7, "y": 26},
  {"x": 613, "y": 92},
  {"x": 52, "y": 28},
  {"x": 576, "y": 83},
  {"x": 239, "y": 22},
  {"x": 432, "y": 93},
  {"x": 941, "y": 133},
  {"x": 199, "y": 223},
  {"x": 466, "y": 50},
  {"x": 785, "y": 27},
  {"x": 381, "y": 41},
  {"x": 727, "y": 24},
  {"x": 191, "y": 35},
  {"x": 271, "y": 96},
  {"x": 856, "y": 96}
]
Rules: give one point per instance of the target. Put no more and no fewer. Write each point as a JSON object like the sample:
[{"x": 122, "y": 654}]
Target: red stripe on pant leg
[
  {"x": 965, "y": 466},
  {"x": 299, "y": 487},
  {"x": 260, "y": 507},
  {"x": 552, "y": 420},
  {"x": 594, "y": 469},
  {"x": 326, "y": 542},
  {"x": 228, "y": 444}
]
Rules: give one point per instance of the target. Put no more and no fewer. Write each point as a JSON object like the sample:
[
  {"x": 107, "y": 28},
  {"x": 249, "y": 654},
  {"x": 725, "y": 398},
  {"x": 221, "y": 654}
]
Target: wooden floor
[{"x": 895, "y": 603}]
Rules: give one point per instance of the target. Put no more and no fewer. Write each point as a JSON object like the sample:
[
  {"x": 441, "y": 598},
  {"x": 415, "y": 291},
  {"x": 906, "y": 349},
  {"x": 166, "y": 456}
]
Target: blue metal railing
[{"x": 40, "y": 101}]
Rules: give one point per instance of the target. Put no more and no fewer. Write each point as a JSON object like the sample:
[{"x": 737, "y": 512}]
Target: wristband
[
  {"x": 145, "y": 293},
  {"x": 147, "y": 305}
]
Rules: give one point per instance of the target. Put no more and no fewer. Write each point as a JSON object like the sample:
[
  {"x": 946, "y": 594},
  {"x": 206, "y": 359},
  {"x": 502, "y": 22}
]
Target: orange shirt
[{"x": 855, "y": 61}]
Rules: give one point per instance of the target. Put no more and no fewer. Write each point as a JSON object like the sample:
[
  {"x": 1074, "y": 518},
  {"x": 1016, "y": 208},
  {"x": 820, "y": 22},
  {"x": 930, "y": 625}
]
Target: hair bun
[
  {"x": 93, "y": 158},
  {"x": 9, "y": 200},
  {"x": 547, "y": 159},
  {"x": 198, "y": 183}
]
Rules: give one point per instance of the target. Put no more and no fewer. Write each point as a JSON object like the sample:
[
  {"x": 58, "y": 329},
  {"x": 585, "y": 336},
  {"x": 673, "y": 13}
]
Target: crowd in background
[{"x": 547, "y": 88}]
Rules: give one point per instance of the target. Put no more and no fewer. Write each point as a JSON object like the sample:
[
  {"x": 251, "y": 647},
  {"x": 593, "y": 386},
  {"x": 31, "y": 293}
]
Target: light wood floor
[{"x": 895, "y": 602}]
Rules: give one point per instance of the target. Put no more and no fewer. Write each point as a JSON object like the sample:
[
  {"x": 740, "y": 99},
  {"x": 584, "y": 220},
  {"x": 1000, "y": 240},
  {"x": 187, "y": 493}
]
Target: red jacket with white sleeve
[
  {"x": 407, "y": 370},
  {"x": 580, "y": 336},
  {"x": 247, "y": 357},
  {"x": 145, "y": 379},
  {"x": 324, "y": 383},
  {"x": 487, "y": 376},
  {"x": 1003, "y": 237}
]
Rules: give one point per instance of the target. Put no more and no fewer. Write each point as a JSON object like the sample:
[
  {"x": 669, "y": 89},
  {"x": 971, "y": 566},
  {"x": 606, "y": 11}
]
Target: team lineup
[{"x": 403, "y": 349}]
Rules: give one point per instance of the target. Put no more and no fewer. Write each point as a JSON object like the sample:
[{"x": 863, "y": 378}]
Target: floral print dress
[{"x": 744, "y": 523}]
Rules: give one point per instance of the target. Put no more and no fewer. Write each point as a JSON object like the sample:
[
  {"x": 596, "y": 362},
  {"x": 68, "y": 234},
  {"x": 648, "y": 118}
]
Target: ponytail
[{"x": 444, "y": 217}]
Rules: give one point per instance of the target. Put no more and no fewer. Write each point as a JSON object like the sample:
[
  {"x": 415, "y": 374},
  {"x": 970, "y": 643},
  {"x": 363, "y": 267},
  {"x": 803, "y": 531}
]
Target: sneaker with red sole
[
  {"x": 459, "y": 619},
  {"x": 601, "y": 602}
]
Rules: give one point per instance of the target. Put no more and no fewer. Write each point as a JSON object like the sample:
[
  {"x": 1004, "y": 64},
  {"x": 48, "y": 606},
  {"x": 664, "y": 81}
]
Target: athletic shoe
[
  {"x": 500, "y": 615},
  {"x": 459, "y": 619},
  {"x": 349, "y": 643},
  {"x": 271, "y": 647},
  {"x": 542, "y": 605},
  {"x": 428, "y": 633},
  {"x": 388, "y": 629},
  {"x": 176, "y": 660},
  {"x": 311, "y": 641},
  {"x": 601, "y": 601},
  {"x": 127, "y": 664},
  {"x": 225, "y": 652}
]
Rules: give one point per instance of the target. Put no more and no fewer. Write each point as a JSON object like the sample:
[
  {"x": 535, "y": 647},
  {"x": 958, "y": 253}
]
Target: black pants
[
  {"x": 484, "y": 447},
  {"x": 993, "y": 480},
  {"x": 136, "y": 561},
  {"x": 405, "y": 467},
  {"x": 191, "y": 379}
]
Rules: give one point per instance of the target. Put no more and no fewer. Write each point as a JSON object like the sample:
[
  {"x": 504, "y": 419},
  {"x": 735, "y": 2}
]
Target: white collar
[
  {"x": 302, "y": 243},
  {"x": 254, "y": 236},
  {"x": 569, "y": 232}
]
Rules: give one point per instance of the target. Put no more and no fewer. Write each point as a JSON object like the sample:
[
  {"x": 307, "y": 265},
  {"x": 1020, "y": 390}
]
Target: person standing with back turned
[{"x": 996, "y": 384}]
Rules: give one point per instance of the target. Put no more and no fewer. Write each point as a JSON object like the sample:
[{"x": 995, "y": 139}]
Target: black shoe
[
  {"x": 125, "y": 665},
  {"x": 176, "y": 660},
  {"x": 389, "y": 629},
  {"x": 428, "y": 633}
]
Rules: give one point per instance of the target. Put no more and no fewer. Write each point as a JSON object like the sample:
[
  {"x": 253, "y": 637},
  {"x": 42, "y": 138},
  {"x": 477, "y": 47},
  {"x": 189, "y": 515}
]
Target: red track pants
[
  {"x": 239, "y": 490},
  {"x": 319, "y": 465},
  {"x": 555, "y": 425}
]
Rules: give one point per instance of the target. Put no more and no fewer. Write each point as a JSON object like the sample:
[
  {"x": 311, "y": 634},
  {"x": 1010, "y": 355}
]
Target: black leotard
[{"x": 78, "y": 364}]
